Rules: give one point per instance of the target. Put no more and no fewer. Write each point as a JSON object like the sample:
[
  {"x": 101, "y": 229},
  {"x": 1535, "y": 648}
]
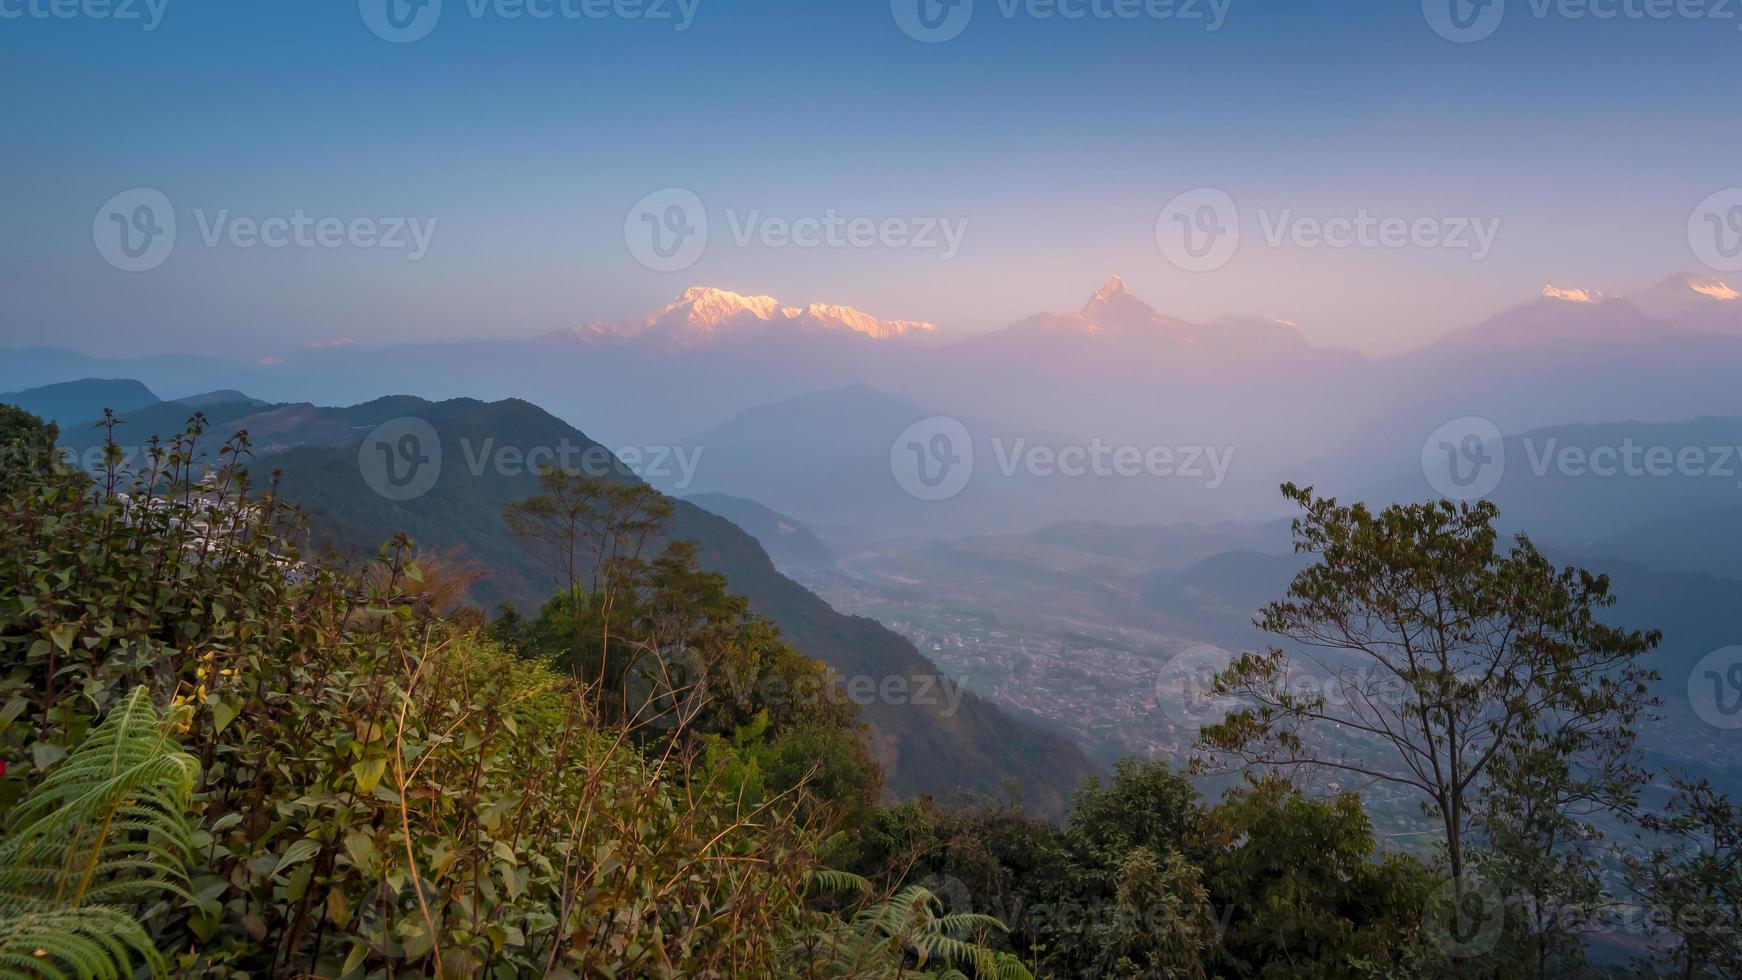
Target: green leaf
[
  {"x": 224, "y": 712},
  {"x": 13, "y": 709},
  {"x": 297, "y": 853},
  {"x": 368, "y": 772}
]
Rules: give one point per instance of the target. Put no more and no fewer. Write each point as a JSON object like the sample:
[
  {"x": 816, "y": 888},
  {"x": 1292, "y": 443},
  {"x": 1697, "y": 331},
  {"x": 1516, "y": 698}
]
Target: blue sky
[{"x": 527, "y": 142}]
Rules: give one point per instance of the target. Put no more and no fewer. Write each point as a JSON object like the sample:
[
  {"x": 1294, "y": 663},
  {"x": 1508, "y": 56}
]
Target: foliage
[
  {"x": 1143, "y": 880},
  {"x": 1302, "y": 889},
  {"x": 27, "y": 445},
  {"x": 647, "y": 780},
  {"x": 380, "y": 790},
  {"x": 1691, "y": 880},
  {"x": 1443, "y": 654},
  {"x": 1541, "y": 845},
  {"x": 95, "y": 848},
  {"x": 685, "y": 654},
  {"x": 591, "y": 532},
  {"x": 902, "y": 935},
  {"x": 1162, "y": 925}
]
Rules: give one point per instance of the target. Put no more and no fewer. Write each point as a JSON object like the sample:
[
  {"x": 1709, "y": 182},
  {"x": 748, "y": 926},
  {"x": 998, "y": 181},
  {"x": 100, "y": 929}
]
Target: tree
[
  {"x": 1161, "y": 925},
  {"x": 1422, "y": 655},
  {"x": 26, "y": 446},
  {"x": 1302, "y": 892},
  {"x": 1692, "y": 881},
  {"x": 1536, "y": 818},
  {"x": 591, "y": 532}
]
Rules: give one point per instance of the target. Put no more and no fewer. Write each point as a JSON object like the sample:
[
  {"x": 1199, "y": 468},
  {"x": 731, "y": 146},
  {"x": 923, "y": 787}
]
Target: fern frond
[
  {"x": 108, "y": 828},
  {"x": 880, "y": 939},
  {"x": 92, "y": 943},
  {"x": 837, "y": 882}
]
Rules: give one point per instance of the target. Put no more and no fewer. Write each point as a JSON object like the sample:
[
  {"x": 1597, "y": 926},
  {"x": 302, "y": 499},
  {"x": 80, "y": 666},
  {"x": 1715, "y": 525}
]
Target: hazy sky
[{"x": 527, "y": 141}]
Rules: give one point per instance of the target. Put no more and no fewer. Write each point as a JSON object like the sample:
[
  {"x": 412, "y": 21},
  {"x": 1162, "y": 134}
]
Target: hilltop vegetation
[
  {"x": 348, "y": 772},
  {"x": 974, "y": 747}
]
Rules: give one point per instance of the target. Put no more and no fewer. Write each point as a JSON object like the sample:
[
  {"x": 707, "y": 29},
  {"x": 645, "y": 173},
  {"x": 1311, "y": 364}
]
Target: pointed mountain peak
[
  {"x": 1111, "y": 288},
  {"x": 1114, "y": 300}
]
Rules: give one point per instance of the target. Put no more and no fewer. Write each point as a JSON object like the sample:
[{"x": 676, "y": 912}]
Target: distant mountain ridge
[
  {"x": 70, "y": 402},
  {"x": 789, "y": 543},
  {"x": 1683, "y": 304},
  {"x": 1115, "y": 370},
  {"x": 1115, "y": 316}
]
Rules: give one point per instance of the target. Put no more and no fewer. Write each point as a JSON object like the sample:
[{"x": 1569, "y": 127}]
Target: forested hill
[{"x": 927, "y": 741}]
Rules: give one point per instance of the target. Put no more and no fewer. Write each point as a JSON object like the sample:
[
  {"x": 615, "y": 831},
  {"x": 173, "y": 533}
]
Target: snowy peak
[
  {"x": 1114, "y": 319},
  {"x": 1113, "y": 287},
  {"x": 860, "y": 322},
  {"x": 1682, "y": 305},
  {"x": 707, "y": 307},
  {"x": 1572, "y": 295},
  {"x": 1713, "y": 289},
  {"x": 1695, "y": 302},
  {"x": 1114, "y": 306},
  {"x": 701, "y": 313}
]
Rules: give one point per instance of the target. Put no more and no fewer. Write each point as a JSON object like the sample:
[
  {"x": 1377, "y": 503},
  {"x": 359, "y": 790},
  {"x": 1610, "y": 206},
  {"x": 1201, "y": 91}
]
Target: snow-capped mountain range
[{"x": 701, "y": 314}]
